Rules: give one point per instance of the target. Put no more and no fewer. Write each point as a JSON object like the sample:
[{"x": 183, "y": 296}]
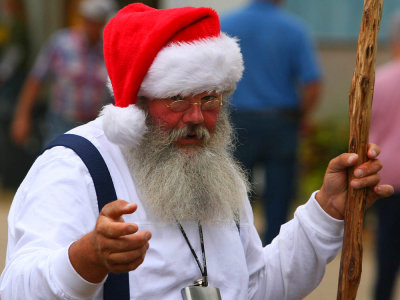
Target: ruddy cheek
[
  {"x": 210, "y": 120},
  {"x": 163, "y": 123},
  {"x": 165, "y": 119}
]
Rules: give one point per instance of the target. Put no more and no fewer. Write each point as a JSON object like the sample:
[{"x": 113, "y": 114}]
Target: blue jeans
[
  {"x": 388, "y": 246},
  {"x": 270, "y": 139}
]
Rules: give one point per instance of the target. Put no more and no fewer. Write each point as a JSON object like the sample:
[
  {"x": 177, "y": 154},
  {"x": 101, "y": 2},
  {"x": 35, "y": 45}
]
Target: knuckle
[
  {"x": 108, "y": 231},
  {"x": 120, "y": 245},
  {"x": 105, "y": 210},
  {"x": 114, "y": 260},
  {"x": 141, "y": 253},
  {"x": 141, "y": 239},
  {"x": 118, "y": 269},
  {"x": 331, "y": 163},
  {"x": 100, "y": 225},
  {"x": 116, "y": 229},
  {"x": 141, "y": 260},
  {"x": 138, "y": 240},
  {"x": 371, "y": 180},
  {"x": 109, "y": 207},
  {"x": 103, "y": 251},
  {"x": 138, "y": 256},
  {"x": 378, "y": 177},
  {"x": 136, "y": 263}
]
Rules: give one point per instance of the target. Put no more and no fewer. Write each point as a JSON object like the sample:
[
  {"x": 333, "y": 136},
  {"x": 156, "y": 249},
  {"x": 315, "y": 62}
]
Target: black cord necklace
[{"x": 204, "y": 280}]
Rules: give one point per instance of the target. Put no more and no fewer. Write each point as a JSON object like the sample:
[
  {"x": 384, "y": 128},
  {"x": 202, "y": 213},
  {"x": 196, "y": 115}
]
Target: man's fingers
[
  {"x": 110, "y": 222},
  {"x": 368, "y": 168},
  {"x": 342, "y": 162},
  {"x": 383, "y": 190},
  {"x": 127, "y": 257},
  {"x": 127, "y": 242},
  {"x": 117, "y": 208},
  {"x": 125, "y": 253},
  {"x": 346, "y": 160},
  {"x": 113, "y": 230},
  {"x": 132, "y": 265},
  {"x": 373, "y": 151},
  {"x": 364, "y": 182},
  {"x": 379, "y": 191}
]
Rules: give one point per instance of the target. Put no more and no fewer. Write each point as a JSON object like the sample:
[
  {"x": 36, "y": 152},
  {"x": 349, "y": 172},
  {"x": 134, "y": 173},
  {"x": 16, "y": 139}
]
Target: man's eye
[
  {"x": 176, "y": 98},
  {"x": 208, "y": 98}
]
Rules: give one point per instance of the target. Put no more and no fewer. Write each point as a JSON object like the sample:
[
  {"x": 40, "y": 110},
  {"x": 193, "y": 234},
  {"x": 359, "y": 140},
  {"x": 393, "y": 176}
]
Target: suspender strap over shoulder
[{"x": 116, "y": 285}]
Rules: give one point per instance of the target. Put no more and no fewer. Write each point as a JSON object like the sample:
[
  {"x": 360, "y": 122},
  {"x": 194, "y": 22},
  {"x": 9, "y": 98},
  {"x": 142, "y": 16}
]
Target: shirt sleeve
[
  {"x": 294, "y": 263},
  {"x": 49, "y": 212}
]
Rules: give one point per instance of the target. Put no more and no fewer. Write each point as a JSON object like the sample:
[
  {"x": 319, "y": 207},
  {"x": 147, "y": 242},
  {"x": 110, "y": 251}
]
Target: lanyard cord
[{"x": 202, "y": 270}]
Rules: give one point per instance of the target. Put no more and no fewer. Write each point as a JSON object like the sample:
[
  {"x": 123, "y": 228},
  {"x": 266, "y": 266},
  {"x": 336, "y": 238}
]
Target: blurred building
[{"x": 338, "y": 22}]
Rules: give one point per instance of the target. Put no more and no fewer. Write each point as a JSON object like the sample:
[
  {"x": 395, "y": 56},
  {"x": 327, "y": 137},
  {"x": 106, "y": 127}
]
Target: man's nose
[{"x": 194, "y": 114}]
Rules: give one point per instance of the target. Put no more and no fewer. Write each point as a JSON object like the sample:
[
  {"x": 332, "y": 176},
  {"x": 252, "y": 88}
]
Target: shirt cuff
[
  {"x": 320, "y": 221},
  {"x": 69, "y": 281}
]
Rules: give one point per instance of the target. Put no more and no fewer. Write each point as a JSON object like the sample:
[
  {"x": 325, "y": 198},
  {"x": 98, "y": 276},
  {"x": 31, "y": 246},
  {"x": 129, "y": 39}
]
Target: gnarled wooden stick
[{"x": 360, "y": 102}]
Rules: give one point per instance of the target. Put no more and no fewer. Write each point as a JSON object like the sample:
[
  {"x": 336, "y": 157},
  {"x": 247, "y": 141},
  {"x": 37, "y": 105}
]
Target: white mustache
[{"x": 200, "y": 132}]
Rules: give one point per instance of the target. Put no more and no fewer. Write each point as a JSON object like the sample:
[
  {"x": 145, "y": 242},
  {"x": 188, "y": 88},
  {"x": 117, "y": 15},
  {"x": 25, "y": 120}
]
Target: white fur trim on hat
[
  {"x": 192, "y": 68},
  {"x": 124, "y": 125}
]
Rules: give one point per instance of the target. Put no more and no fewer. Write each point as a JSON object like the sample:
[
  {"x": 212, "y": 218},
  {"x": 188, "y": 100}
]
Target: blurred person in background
[
  {"x": 385, "y": 127},
  {"x": 274, "y": 99},
  {"x": 72, "y": 64},
  {"x": 14, "y": 50}
]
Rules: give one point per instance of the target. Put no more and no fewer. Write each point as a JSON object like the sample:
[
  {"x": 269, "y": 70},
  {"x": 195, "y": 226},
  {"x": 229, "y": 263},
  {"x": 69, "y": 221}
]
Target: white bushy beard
[{"x": 205, "y": 184}]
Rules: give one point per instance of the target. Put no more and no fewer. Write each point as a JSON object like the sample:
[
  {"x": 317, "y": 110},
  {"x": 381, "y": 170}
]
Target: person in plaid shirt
[{"x": 72, "y": 64}]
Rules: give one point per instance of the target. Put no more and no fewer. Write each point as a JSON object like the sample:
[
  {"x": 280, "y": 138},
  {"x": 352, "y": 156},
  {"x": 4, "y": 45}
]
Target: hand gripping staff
[{"x": 360, "y": 102}]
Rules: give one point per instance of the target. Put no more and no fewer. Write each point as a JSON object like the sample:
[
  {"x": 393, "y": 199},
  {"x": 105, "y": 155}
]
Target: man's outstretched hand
[
  {"x": 113, "y": 246},
  {"x": 333, "y": 193}
]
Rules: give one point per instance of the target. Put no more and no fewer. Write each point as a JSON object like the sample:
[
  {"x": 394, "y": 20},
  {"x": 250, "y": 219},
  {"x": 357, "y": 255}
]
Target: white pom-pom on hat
[{"x": 124, "y": 125}]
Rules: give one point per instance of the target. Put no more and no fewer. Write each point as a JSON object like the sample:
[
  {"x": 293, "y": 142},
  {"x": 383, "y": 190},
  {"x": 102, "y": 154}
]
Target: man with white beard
[
  {"x": 208, "y": 185},
  {"x": 167, "y": 146}
]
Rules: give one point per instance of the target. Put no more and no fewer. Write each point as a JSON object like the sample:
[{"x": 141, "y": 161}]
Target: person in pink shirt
[{"x": 385, "y": 131}]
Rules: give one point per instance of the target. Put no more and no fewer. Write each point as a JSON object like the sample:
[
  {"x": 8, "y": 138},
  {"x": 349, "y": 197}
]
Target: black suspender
[{"x": 117, "y": 285}]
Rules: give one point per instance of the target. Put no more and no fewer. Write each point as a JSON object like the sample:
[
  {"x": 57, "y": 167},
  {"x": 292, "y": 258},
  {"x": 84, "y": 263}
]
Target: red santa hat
[{"x": 159, "y": 53}]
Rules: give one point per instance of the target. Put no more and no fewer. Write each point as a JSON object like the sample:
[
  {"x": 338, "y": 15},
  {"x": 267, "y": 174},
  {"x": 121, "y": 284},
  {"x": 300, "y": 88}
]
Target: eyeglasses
[{"x": 206, "y": 103}]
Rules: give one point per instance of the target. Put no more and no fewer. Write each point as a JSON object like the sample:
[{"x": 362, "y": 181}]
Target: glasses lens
[
  {"x": 179, "y": 105},
  {"x": 182, "y": 105},
  {"x": 210, "y": 105}
]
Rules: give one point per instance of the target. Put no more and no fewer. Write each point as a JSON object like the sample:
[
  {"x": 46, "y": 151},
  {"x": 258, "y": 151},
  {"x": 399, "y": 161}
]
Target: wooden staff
[{"x": 360, "y": 102}]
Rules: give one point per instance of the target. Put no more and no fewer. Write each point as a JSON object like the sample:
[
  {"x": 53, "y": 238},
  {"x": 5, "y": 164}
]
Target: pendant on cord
[{"x": 200, "y": 290}]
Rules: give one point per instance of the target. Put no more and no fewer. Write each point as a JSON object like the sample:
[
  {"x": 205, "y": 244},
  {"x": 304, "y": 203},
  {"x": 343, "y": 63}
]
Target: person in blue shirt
[{"x": 273, "y": 101}]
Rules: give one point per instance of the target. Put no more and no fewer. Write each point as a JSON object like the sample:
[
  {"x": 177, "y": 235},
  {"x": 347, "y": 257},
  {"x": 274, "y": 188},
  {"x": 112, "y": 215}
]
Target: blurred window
[{"x": 339, "y": 20}]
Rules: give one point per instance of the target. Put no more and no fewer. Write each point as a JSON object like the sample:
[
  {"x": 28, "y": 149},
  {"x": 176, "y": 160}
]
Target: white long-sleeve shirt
[{"x": 56, "y": 205}]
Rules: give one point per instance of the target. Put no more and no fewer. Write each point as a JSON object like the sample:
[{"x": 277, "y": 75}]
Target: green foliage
[{"x": 328, "y": 139}]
